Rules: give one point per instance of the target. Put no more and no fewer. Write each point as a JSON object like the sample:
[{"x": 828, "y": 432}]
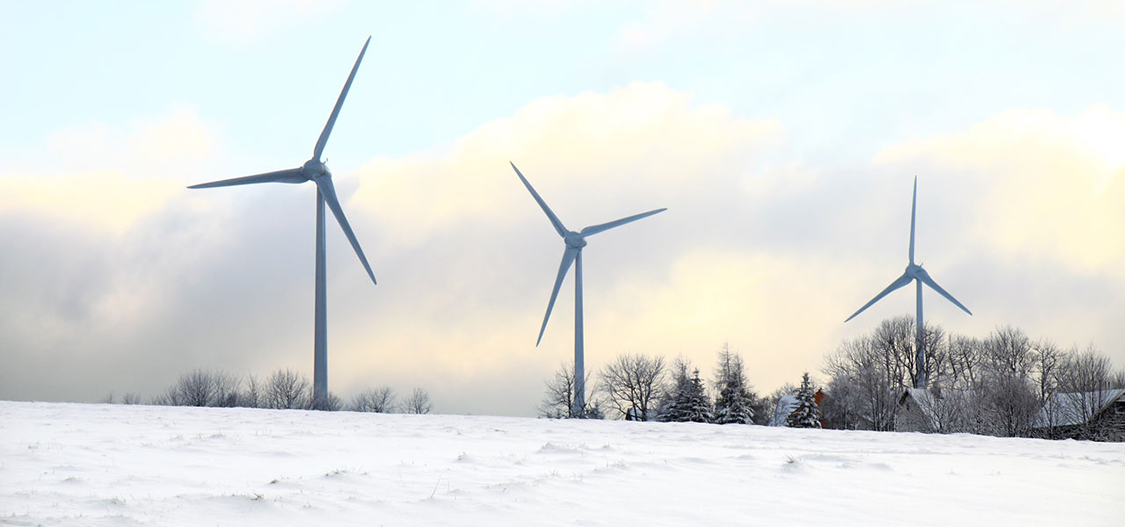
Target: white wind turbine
[
  {"x": 574, "y": 241},
  {"x": 915, "y": 273},
  {"x": 316, "y": 171}
]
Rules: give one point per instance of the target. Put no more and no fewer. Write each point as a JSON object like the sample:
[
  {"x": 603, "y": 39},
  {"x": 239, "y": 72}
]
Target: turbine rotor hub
[
  {"x": 313, "y": 168},
  {"x": 574, "y": 240}
]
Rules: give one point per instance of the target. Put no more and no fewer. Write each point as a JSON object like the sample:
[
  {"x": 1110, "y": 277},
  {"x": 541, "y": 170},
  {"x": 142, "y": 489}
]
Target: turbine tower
[
  {"x": 919, "y": 276},
  {"x": 315, "y": 170},
  {"x": 574, "y": 241}
]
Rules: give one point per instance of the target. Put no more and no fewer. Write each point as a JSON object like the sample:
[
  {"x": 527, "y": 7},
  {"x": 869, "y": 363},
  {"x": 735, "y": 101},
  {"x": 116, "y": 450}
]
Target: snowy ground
[{"x": 77, "y": 464}]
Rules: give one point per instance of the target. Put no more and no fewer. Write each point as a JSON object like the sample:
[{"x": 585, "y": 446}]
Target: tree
[
  {"x": 558, "y": 401},
  {"x": 253, "y": 397},
  {"x": 418, "y": 402},
  {"x": 379, "y": 400},
  {"x": 735, "y": 402},
  {"x": 287, "y": 390},
  {"x": 688, "y": 401},
  {"x": 1010, "y": 402},
  {"x": 202, "y": 388},
  {"x": 867, "y": 378},
  {"x": 632, "y": 383},
  {"x": 807, "y": 413}
]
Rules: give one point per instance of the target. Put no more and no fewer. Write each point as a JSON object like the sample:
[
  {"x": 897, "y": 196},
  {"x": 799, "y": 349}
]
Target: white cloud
[
  {"x": 97, "y": 176},
  {"x": 1053, "y": 186},
  {"x": 244, "y": 20}
]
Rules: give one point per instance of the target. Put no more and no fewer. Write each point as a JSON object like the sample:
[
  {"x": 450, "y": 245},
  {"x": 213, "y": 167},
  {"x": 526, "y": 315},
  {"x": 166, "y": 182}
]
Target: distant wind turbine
[
  {"x": 315, "y": 170},
  {"x": 574, "y": 241},
  {"x": 918, "y": 275}
]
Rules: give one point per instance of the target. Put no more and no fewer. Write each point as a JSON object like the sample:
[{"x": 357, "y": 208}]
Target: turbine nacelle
[
  {"x": 574, "y": 240},
  {"x": 913, "y": 270},
  {"x": 314, "y": 168}
]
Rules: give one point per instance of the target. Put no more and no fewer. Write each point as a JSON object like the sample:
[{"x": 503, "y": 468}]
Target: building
[{"x": 1096, "y": 416}]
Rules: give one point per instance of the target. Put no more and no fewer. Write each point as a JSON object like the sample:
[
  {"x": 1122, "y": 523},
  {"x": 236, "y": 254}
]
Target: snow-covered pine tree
[
  {"x": 807, "y": 413},
  {"x": 735, "y": 402},
  {"x": 689, "y": 403}
]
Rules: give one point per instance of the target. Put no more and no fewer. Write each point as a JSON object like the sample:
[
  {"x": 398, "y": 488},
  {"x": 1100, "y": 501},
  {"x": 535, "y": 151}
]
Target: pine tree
[
  {"x": 735, "y": 401},
  {"x": 807, "y": 413},
  {"x": 689, "y": 402}
]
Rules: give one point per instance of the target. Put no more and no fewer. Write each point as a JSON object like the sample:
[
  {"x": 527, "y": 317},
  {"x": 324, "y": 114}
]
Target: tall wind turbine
[
  {"x": 919, "y": 276},
  {"x": 574, "y": 241},
  {"x": 315, "y": 170}
]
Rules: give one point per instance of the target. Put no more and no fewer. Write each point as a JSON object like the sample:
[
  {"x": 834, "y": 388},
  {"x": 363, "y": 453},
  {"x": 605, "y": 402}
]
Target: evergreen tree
[
  {"x": 689, "y": 402},
  {"x": 807, "y": 413},
  {"x": 735, "y": 402}
]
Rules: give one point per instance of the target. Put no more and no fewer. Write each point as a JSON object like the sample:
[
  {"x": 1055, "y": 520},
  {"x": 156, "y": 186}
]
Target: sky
[{"x": 783, "y": 138}]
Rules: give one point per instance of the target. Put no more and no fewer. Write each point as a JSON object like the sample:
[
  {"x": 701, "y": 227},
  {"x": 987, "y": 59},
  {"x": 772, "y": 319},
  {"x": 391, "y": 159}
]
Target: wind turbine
[
  {"x": 315, "y": 170},
  {"x": 574, "y": 241},
  {"x": 919, "y": 276}
]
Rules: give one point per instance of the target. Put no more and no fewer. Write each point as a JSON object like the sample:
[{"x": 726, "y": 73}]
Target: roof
[
  {"x": 1075, "y": 408},
  {"x": 785, "y": 406},
  {"x": 924, "y": 400}
]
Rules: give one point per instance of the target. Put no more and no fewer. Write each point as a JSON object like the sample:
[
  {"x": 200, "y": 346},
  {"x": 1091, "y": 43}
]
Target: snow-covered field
[{"x": 80, "y": 464}]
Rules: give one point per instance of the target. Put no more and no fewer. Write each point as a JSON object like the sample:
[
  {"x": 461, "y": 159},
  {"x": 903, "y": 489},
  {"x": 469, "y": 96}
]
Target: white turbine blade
[
  {"x": 328, "y": 190},
  {"x": 913, "y": 209},
  {"x": 594, "y": 229},
  {"x": 568, "y": 258},
  {"x": 902, "y": 280},
  {"x": 292, "y": 175},
  {"x": 320, "y": 142},
  {"x": 925, "y": 278},
  {"x": 542, "y": 204}
]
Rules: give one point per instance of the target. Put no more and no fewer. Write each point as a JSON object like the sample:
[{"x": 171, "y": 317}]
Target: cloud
[
  {"x": 246, "y": 20},
  {"x": 593, "y": 156},
  {"x": 1049, "y": 186},
  {"x": 770, "y": 256},
  {"x": 100, "y": 177}
]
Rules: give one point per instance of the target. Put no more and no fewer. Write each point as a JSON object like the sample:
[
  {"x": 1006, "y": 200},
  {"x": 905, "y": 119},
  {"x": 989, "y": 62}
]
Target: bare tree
[
  {"x": 558, "y": 401},
  {"x": 871, "y": 376},
  {"x": 202, "y": 388},
  {"x": 1010, "y": 400},
  {"x": 131, "y": 398},
  {"x": 418, "y": 402},
  {"x": 378, "y": 400},
  {"x": 631, "y": 384},
  {"x": 287, "y": 389},
  {"x": 253, "y": 396}
]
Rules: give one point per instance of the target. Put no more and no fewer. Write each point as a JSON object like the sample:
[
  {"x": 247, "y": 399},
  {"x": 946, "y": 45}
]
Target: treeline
[
  {"x": 641, "y": 388},
  {"x": 1006, "y": 384},
  {"x": 283, "y": 389}
]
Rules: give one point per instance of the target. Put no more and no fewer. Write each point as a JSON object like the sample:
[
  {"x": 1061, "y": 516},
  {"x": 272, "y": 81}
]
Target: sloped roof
[
  {"x": 1075, "y": 408},
  {"x": 924, "y": 400},
  {"x": 785, "y": 406}
]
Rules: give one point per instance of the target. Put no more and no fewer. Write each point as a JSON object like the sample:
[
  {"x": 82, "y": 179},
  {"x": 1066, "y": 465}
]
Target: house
[
  {"x": 1096, "y": 416},
  {"x": 788, "y": 403},
  {"x": 915, "y": 411},
  {"x": 785, "y": 406}
]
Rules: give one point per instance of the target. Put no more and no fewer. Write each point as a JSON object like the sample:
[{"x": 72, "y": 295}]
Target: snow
[{"x": 116, "y": 465}]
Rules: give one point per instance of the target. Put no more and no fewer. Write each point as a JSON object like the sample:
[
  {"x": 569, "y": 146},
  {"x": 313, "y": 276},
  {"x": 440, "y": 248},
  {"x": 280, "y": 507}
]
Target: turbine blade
[
  {"x": 901, "y": 281},
  {"x": 292, "y": 175},
  {"x": 913, "y": 209},
  {"x": 339, "y": 103},
  {"x": 594, "y": 229},
  {"x": 542, "y": 204},
  {"x": 328, "y": 190},
  {"x": 925, "y": 278},
  {"x": 568, "y": 258}
]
